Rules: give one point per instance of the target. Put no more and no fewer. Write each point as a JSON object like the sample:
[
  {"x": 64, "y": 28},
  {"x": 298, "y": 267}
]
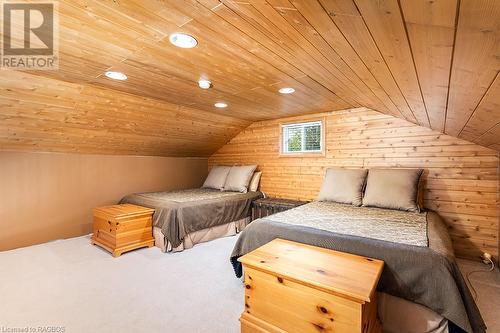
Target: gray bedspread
[
  {"x": 419, "y": 262},
  {"x": 181, "y": 212}
]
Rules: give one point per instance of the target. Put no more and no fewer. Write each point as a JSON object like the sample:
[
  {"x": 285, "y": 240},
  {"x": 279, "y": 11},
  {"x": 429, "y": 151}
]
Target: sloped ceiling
[{"x": 432, "y": 62}]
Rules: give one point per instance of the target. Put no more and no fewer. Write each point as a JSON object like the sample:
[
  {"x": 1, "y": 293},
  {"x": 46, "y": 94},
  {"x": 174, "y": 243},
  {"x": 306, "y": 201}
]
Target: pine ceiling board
[
  {"x": 178, "y": 86},
  {"x": 431, "y": 30},
  {"x": 22, "y": 86},
  {"x": 227, "y": 23},
  {"x": 211, "y": 20},
  {"x": 333, "y": 79},
  {"x": 318, "y": 18},
  {"x": 337, "y": 54},
  {"x": 383, "y": 19},
  {"x": 75, "y": 69},
  {"x": 476, "y": 60},
  {"x": 288, "y": 50},
  {"x": 154, "y": 149},
  {"x": 122, "y": 115},
  {"x": 495, "y": 146},
  {"x": 347, "y": 18},
  {"x": 135, "y": 20},
  {"x": 183, "y": 92},
  {"x": 90, "y": 31},
  {"x": 486, "y": 113},
  {"x": 170, "y": 19},
  {"x": 42, "y": 118},
  {"x": 130, "y": 107},
  {"x": 245, "y": 79},
  {"x": 330, "y": 58},
  {"x": 206, "y": 53},
  {"x": 491, "y": 138},
  {"x": 265, "y": 49},
  {"x": 46, "y": 126}
]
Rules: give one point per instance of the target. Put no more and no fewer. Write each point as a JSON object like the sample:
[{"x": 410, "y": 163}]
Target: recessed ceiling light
[
  {"x": 286, "y": 90},
  {"x": 116, "y": 75},
  {"x": 183, "y": 40},
  {"x": 220, "y": 105},
  {"x": 204, "y": 84}
]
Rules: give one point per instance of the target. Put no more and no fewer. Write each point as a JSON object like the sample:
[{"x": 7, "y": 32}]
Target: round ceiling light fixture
[
  {"x": 182, "y": 40},
  {"x": 204, "y": 84},
  {"x": 286, "y": 90},
  {"x": 116, "y": 75},
  {"x": 220, "y": 105}
]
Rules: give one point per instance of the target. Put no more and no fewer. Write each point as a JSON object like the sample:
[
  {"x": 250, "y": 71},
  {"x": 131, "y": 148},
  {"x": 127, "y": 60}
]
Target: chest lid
[
  {"x": 122, "y": 212},
  {"x": 343, "y": 274}
]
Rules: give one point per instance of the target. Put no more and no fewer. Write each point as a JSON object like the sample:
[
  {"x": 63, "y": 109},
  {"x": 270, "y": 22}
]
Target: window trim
[{"x": 302, "y": 153}]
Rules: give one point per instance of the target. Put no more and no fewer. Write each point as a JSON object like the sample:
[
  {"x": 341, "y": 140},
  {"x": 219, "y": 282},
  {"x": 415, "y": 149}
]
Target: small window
[{"x": 302, "y": 137}]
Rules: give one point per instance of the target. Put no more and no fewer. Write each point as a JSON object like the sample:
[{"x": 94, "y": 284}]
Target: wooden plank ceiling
[{"x": 432, "y": 62}]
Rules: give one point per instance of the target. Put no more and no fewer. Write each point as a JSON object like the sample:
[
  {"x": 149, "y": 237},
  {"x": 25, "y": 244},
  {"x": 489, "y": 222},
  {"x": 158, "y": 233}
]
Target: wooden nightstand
[
  {"x": 268, "y": 206},
  {"x": 293, "y": 287},
  {"x": 121, "y": 228}
]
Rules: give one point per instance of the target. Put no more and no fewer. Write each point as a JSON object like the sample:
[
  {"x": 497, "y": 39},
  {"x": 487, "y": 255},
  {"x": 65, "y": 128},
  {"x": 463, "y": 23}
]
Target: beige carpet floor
[{"x": 80, "y": 288}]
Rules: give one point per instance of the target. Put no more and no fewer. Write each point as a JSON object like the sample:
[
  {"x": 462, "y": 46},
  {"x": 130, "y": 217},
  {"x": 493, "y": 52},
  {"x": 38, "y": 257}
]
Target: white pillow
[
  {"x": 254, "y": 183},
  {"x": 217, "y": 177},
  {"x": 239, "y": 177}
]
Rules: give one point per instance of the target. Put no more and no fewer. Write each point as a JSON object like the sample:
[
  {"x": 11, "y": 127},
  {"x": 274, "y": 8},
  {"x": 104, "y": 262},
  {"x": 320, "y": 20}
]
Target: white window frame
[{"x": 284, "y": 144}]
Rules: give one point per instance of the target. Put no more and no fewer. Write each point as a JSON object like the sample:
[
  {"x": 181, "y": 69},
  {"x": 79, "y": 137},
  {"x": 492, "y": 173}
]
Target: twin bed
[
  {"x": 187, "y": 217},
  {"x": 221, "y": 207},
  {"x": 420, "y": 278}
]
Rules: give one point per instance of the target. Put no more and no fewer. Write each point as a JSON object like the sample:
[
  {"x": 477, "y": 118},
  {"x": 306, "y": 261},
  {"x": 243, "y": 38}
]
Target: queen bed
[
  {"x": 421, "y": 287},
  {"x": 222, "y": 207}
]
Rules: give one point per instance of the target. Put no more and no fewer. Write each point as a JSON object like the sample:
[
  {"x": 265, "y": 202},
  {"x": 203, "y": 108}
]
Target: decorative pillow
[
  {"x": 254, "y": 183},
  {"x": 343, "y": 185},
  {"x": 217, "y": 177},
  {"x": 421, "y": 193},
  {"x": 239, "y": 177},
  {"x": 393, "y": 189}
]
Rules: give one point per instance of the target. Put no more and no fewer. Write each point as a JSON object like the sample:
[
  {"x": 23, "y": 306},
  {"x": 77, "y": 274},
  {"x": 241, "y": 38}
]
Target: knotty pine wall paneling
[{"x": 462, "y": 178}]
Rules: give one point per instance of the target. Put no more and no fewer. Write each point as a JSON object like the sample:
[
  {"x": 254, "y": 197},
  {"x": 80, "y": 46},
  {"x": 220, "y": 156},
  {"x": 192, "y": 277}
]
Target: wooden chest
[
  {"x": 268, "y": 206},
  {"x": 292, "y": 287},
  {"x": 121, "y": 228}
]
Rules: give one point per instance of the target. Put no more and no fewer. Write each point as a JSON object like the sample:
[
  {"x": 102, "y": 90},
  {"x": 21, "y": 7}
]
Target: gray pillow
[
  {"x": 217, "y": 177},
  {"x": 343, "y": 185},
  {"x": 239, "y": 177},
  {"x": 393, "y": 189}
]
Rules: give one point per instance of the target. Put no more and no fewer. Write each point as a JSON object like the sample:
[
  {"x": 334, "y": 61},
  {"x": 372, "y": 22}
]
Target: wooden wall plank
[{"x": 461, "y": 178}]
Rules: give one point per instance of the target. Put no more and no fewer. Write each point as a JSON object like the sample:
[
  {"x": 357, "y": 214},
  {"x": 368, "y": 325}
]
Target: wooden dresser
[
  {"x": 121, "y": 228},
  {"x": 292, "y": 287},
  {"x": 268, "y": 206}
]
